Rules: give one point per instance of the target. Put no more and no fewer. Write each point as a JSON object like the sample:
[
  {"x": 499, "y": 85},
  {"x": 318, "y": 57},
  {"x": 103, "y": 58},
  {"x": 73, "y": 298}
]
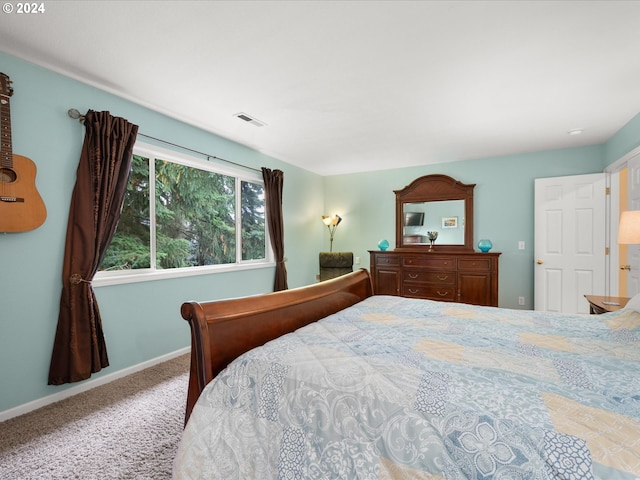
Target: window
[{"x": 182, "y": 216}]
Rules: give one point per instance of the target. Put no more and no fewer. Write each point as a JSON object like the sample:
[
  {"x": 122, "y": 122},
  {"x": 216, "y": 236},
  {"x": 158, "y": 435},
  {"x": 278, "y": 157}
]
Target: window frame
[{"x": 153, "y": 152}]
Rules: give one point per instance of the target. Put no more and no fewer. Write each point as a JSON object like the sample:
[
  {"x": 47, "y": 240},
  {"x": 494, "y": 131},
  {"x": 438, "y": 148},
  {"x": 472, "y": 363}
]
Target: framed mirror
[{"x": 435, "y": 212}]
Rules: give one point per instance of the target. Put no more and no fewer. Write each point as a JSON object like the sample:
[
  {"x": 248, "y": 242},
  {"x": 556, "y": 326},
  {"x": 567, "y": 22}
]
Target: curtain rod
[{"x": 76, "y": 115}]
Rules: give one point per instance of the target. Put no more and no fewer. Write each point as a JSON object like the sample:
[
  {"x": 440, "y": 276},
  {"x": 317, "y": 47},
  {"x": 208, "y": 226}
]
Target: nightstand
[{"x": 602, "y": 304}]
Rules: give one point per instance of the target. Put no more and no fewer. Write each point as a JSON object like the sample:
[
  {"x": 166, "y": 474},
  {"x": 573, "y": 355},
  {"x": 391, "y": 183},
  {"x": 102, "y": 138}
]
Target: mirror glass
[
  {"x": 438, "y": 204},
  {"x": 444, "y": 217}
]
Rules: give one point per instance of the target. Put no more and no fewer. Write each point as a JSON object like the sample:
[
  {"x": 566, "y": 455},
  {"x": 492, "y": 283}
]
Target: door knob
[
  {"x": 625, "y": 267},
  {"x": 539, "y": 262}
]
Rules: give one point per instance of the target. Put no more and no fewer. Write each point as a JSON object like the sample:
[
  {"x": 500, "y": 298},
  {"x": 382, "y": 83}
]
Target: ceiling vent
[{"x": 250, "y": 119}]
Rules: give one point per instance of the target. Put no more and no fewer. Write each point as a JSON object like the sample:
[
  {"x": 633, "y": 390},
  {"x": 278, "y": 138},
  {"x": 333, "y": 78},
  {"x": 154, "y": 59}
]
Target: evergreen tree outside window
[
  {"x": 253, "y": 221},
  {"x": 181, "y": 214}
]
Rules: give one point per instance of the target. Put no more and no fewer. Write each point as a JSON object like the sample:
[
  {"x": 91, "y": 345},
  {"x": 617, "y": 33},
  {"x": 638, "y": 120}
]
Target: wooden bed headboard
[{"x": 222, "y": 330}]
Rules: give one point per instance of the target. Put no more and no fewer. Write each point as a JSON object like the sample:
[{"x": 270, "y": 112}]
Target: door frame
[
  {"x": 613, "y": 213},
  {"x": 612, "y": 284}
]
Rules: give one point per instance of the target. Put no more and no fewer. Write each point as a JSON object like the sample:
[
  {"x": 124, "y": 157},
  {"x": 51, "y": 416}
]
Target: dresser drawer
[
  {"x": 423, "y": 276},
  {"x": 440, "y": 263},
  {"x": 432, "y": 292},
  {"x": 388, "y": 260},
  {"x": 476, "y": 264}
]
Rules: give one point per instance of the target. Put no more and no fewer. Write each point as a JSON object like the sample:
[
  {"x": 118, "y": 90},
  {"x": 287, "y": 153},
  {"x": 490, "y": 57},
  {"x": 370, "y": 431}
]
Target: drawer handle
[
  {"x": 441, "y": 278},
  {"x": 413, "y": 275},
  {"x": 442, "y": 294},
  {"x": 409, "y": 261},
  {"x": 411, "y": 290}
]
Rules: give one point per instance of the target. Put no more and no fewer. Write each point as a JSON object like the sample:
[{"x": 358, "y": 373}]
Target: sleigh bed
[{"x": 344, "y": 384}]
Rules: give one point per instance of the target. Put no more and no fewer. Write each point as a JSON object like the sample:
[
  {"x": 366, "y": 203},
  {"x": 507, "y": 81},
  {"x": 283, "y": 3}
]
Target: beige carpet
[{"x": 127, "y": 429}]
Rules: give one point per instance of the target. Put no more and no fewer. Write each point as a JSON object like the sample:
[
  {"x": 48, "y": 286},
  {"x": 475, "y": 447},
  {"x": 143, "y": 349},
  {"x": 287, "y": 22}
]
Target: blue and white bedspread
[{"x": 397, "y": 388}]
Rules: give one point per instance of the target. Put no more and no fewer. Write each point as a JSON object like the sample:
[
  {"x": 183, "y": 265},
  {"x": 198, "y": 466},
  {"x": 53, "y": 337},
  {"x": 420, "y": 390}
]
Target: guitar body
[{"x": 21, "y": 206}]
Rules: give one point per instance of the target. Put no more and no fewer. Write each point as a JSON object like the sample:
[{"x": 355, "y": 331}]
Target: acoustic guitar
[{"x": 21, "y": 207}]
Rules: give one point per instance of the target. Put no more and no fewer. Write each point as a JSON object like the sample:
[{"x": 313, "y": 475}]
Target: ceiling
[{"x": 350, "y": 86}]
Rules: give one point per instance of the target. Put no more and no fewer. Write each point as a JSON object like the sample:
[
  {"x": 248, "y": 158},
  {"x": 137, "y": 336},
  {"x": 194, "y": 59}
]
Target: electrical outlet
[
  {"x": 520, "y": 300},
  {"x": 357, "y": 261}
]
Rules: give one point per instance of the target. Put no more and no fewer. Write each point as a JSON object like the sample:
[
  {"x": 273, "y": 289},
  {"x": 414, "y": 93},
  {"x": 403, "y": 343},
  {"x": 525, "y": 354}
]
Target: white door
[{"x": 570, "y": 241}]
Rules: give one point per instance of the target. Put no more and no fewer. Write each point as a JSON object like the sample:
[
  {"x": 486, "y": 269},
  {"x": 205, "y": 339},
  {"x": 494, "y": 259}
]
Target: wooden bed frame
[{"x": 223, "y": 330}]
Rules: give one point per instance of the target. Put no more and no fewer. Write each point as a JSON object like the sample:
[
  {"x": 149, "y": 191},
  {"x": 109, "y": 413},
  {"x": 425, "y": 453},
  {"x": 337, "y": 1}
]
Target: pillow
[{"x": 634, "y": 303}]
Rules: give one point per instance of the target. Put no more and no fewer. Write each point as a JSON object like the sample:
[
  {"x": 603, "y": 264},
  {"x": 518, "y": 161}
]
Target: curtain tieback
[{"x": 77, "y": 279}]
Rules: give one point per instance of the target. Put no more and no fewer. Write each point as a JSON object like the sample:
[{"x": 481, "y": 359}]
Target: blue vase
[
  {"x": 485, "y": 245},
  {"x": 383, "y": 245}
]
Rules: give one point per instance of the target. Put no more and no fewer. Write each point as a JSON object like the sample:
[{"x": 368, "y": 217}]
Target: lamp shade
[
  {"x": 331, "y": 221},
  {"x": 332, "y": 224},
  {"x": 629, "y": 230}
]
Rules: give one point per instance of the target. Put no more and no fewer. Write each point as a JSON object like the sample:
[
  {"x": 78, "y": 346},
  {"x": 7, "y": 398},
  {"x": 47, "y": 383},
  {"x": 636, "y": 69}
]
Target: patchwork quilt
[{"x": 398, "y": 388}]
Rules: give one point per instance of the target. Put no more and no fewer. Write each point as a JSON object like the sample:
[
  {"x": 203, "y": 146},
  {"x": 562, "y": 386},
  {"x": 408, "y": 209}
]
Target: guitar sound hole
[{"x": 7, "y": 175}]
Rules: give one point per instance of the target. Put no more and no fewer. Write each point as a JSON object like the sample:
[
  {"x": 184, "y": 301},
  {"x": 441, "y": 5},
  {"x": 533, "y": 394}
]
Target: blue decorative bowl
[
  {"x": 485, "y": 245},
  {"x": 383, "y": 245}
]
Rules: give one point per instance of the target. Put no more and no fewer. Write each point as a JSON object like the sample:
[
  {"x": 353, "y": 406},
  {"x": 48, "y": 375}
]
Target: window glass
[
  {"x": 131, "y": 245},
  {"x": 253, "y": 226},
  {"x": 181, "y": 213},
  {"x": 195, "y": 216}
]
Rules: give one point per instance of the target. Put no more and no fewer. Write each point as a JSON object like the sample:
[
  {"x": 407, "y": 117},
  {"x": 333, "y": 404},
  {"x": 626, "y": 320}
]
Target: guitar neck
[{"x": 6, "y": 150}]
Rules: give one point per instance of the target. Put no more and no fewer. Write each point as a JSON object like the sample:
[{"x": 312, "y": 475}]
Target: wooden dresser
[{"x": 467, "y": 277}]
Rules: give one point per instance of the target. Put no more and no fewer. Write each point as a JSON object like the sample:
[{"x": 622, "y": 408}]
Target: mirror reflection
[{"x": 445, "y": 217}]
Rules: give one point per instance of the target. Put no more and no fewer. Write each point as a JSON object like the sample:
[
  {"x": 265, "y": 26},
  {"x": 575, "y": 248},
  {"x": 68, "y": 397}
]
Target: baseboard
[{"x": 87, "y": 385}]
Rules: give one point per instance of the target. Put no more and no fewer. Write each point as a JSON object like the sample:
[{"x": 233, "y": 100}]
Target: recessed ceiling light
[{"x": 576, "y": 131}]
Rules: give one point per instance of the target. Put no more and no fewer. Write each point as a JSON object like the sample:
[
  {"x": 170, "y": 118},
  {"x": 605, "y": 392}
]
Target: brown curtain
[
  {"x": 273, "y": 180},
  {"x": 101, "y": 182}
]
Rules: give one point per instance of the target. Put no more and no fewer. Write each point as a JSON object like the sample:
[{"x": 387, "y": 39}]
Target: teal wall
[
  {"x": 625, "y": 140},
  {"x": 503, "y": 207},
  {"x": 141, "y": 320}
]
